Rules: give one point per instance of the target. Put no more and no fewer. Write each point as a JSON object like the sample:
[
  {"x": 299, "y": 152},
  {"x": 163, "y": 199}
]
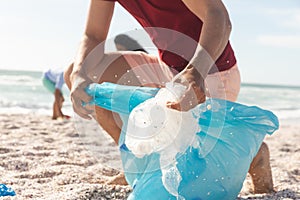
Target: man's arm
[
  {"x": 97, "y": 27},
  {"x": 96, "y": 30},
  {"x": 212, "y": 42},
  {"x": 214, "y": 34}
]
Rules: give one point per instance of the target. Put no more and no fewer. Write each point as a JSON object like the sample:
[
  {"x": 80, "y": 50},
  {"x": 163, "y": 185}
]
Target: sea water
[
  {"x": 23, "y": 92},
  {"x": 282, "y": 100}
]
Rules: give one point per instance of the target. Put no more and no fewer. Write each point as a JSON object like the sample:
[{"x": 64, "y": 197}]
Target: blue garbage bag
[
  {"x": 229, "y": 137},
  {"x": 119, "y": 98},
  {"x": 6, "y": 191}
]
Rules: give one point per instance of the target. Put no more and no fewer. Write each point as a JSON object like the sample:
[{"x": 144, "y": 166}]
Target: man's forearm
[
  {"x": 96, "y": 30},
  {"x": 214, "y": 38},
  {"x": 82, "y": 62},
  {"x": 215, "y": 32}
]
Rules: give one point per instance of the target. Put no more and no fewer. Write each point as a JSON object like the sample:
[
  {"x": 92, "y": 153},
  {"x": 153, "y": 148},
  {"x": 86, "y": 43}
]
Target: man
[
  {"x": 192, "y": 38},
  {"x": 53, "y": 80}
]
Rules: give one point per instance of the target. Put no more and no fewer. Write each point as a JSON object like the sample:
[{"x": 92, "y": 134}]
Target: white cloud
[
  {"x": 287, "y": 17},
  {"x": 281, "y": 11},
  {"x": 293, "y": 22},
  {"x": 286, "y": 41}
]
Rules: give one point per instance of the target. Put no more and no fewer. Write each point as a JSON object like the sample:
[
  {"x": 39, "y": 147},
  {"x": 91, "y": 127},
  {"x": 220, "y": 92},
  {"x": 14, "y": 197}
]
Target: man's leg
[
  {"x": 110, "y": 122},
  {"x": 55, "y": 113},
  {"x": 226, "y": 85},
  {"x": 260, "y": 171},
  {"x": 126, "y": 68},
  {"x": 132, "y": 68},
  {"x": 50, "y": 86}
]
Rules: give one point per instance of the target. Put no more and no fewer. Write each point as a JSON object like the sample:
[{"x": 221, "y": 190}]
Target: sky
[{"x": 37, "y": 35}]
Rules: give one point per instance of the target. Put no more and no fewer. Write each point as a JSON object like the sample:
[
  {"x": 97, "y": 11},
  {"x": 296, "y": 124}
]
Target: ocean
[{"x": 23, "y": 92}]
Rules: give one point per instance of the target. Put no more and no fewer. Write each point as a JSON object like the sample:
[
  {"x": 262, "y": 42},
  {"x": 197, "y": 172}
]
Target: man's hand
[
  {"x": 79, "y": 96},
  {"x": 86, "y": 71},
  {"x": 194, "y": 94}
]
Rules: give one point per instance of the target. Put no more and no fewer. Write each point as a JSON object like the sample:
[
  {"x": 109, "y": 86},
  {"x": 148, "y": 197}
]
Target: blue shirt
[{"x": 56, "y": 76}]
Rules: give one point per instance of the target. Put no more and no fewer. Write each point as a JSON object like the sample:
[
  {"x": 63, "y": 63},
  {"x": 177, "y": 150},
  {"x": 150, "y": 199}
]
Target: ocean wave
[
  {"x": 23, "y": 91},
  {"x": 14, "y": 107},
  {"x": 19, "y": 80},
  {"x": 26, "y": 105}
]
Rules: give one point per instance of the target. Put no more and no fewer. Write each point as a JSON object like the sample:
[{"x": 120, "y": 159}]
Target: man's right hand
[{"x": 194, "y": 93}]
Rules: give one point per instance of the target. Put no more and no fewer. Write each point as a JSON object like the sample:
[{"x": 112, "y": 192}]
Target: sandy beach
[{"x": 45, "y": 159}]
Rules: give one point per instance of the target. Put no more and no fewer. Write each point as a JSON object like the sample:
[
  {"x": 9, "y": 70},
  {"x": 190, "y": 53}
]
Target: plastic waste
[
  {"x": 6, "y": 191},
  {"x": 207, "y": 156}
]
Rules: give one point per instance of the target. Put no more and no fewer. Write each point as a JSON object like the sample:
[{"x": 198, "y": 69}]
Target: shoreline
[{"x": 41, "y": 158}]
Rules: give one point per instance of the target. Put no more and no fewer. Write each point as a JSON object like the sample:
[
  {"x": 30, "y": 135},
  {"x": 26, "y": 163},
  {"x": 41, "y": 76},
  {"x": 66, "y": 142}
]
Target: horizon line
[{"x": 247, "y": 84}]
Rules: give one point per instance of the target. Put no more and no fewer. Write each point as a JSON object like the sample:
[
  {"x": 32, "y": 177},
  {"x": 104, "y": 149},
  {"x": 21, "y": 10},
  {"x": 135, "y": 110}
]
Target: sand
[{"x": 45, "y": 159}]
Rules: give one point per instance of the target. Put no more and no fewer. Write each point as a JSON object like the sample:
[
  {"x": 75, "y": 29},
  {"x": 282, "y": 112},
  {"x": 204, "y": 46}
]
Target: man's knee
[
  {"x": 262, "y": 156},
  {"x": 260, "y": 171},
  {"x": 264, "y": 149},
  {"x": 109, "y": 121}
]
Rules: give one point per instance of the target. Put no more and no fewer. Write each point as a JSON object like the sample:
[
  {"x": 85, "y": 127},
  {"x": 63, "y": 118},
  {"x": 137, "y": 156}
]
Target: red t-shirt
[{"x": 177, "y": 33}]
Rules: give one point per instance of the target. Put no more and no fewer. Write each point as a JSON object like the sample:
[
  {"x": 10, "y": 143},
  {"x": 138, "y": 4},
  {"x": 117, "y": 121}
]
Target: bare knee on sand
[{"x": 260, "y": 171}]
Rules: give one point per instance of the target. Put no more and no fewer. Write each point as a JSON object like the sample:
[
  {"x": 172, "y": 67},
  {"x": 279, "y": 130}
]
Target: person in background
[
  {"x": 53, "y": 80},
  {"x": 207, "y": 66},
  {"x": 125, "y": 43}
]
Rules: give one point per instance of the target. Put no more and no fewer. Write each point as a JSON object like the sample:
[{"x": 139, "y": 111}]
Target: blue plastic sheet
[
  {"x": 6, "y": 191},
  {"x": 230, "y": 137}
]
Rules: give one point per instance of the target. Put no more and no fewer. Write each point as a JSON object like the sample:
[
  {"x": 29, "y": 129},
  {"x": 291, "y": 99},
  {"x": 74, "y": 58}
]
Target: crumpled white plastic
[{"x": 154, "y": 128}]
